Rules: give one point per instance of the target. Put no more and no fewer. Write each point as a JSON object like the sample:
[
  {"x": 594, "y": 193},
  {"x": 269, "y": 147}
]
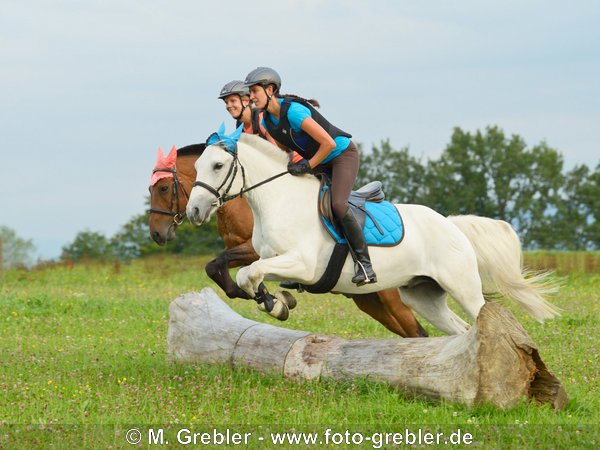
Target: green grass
[{"x": 83, "y": 358}]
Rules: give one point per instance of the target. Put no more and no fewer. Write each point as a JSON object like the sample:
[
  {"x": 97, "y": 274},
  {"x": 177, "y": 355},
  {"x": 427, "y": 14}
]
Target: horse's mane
[
  {"x": 265, "y": 147},
  {"x": 191, "y": 150}
]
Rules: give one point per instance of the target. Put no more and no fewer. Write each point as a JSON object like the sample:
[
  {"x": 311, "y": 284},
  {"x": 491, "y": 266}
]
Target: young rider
[
  {"x": 296, "y": 125},
  {"x": 236, "y": 97},
  {"x": 237, "y": 102}
]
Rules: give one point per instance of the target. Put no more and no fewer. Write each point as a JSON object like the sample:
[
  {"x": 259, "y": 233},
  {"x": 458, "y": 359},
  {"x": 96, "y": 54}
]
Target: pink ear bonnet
[{"x": 163, "y": 162}]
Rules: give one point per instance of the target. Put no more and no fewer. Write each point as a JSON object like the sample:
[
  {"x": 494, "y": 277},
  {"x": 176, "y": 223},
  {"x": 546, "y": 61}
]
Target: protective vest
[
  {"x": 301, "y": 142},
  {"x": 256, "y": 117}
]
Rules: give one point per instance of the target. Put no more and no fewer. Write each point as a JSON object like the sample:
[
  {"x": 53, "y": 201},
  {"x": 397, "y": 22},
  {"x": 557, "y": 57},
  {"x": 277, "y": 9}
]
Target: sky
[{"x": 89, "y": 90}]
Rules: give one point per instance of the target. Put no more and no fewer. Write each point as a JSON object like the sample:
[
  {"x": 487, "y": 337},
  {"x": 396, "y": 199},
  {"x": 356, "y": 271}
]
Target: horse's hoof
[
  {"x": 280, "y": 311},
  {"x": 287, "y": 298}
]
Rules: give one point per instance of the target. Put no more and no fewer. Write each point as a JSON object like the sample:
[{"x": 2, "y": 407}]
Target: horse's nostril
[
  {"x": 156, "y": 236},
  {"x": 196, "y": 211}
]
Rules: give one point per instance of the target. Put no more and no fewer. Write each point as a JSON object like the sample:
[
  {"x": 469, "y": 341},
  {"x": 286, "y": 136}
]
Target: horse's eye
[
  {"x": 218, "y": 166},
  {"x": 164, "y": 189}
]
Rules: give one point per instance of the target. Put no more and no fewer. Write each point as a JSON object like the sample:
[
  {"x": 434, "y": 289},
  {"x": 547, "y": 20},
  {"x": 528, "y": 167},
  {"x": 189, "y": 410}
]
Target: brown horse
[{"x": 168, "y": 199}]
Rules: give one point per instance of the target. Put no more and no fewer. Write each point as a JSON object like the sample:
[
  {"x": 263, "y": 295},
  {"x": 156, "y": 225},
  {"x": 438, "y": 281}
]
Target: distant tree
[
  {"x": 572, "y": 216},
  {"x": 401, "y": 174},
  {"x": 193, "y": 240},
  {"x": 15, "y": 250},
  {"x": 88, "y": 245},
  {"x": 133, "y": 239},
  {"x": 590, "y": 197},
  {"x": 539, "y": 200},
  {"x": 481, "y": 173}
]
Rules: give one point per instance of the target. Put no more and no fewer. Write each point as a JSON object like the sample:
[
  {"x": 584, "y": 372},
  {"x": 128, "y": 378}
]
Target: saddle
[{"x": 379, "y": 219}]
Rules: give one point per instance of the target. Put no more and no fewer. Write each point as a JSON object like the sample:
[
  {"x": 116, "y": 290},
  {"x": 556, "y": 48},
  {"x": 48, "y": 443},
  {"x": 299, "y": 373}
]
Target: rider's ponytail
[{"x": 312, "y": 101}]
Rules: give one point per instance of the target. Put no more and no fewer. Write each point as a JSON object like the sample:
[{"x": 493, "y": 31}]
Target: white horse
[{"x": 435, "y": 257}]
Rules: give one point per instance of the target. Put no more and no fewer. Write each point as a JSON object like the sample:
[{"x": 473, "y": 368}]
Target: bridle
[
  {"x": 235, "y": 166},
  {"x": 177, "y": 217}
]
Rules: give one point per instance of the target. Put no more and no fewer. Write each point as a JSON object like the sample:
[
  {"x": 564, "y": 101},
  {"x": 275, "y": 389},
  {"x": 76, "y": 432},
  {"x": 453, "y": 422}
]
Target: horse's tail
[{"x": 499, "y": 259}]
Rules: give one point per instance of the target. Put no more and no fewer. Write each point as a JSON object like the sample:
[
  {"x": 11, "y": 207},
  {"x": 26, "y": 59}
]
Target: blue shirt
[{"x": 296, "y": 115}]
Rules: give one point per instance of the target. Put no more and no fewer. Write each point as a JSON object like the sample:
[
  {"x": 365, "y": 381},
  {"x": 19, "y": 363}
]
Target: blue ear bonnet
[{"x": 227, "y": 141}]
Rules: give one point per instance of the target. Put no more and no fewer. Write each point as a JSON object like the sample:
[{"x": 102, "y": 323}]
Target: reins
[{"x": 224, "y": 198}]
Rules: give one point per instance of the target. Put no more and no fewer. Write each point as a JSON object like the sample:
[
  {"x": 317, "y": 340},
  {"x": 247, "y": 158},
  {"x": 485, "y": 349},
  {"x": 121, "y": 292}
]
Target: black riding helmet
[{"x": 234, "y": 87}]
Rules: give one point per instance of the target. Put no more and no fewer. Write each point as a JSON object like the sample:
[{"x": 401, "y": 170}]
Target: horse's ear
[
  {"x": 237, "y": 133},
  {"x": 160, "y": 157},
  {"x": 171, "y": 158}
]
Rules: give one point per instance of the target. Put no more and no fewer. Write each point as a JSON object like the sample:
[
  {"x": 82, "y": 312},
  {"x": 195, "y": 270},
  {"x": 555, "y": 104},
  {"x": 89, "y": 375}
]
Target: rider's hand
[{"x": 299, "y": 168}]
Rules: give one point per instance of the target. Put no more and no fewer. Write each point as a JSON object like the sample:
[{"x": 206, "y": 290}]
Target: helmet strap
[{"x": 268, "y": 96}]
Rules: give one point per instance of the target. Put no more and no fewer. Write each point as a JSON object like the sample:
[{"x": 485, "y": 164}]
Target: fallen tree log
[{"x": 495, "y": 362}]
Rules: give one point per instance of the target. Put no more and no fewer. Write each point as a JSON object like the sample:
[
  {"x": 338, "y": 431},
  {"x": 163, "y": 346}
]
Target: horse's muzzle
[
  {"x": 196, "y": 216},
  {"x": 156, "y": 237}
]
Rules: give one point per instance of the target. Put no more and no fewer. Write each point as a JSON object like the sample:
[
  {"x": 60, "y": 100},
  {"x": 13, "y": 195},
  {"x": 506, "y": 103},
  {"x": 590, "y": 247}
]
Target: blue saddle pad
[{"x": 383, "y": 225}]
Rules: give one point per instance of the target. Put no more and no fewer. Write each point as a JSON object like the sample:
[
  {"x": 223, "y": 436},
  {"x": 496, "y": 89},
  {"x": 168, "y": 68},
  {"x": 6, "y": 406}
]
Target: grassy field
[{"x": 83, "y": 359}]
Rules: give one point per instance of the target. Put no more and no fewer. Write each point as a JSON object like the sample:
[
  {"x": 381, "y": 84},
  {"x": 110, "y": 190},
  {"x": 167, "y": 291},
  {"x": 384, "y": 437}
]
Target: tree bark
[{"x": 495, "y": 362}]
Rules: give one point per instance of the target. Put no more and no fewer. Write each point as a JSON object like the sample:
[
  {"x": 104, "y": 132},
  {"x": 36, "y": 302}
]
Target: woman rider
[
  {"x": 236, "y": 97},
  {"x": 237, "y": 102},
  {"x": 296, "y": 125}
]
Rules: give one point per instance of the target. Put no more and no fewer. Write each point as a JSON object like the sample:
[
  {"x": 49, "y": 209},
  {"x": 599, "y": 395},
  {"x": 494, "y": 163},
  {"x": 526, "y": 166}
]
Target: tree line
[
  {"x": 490, "y": 174},
  {"x": 486, "y": 173}
]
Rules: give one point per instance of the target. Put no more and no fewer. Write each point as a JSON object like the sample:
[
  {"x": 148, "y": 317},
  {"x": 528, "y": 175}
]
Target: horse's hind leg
[
  {"x": 218, "y": 268},
  {"x": 372, "y": 305},
  {"x": 465, "y": 288},
  {"x": 429, "y": 300},
  {"x": 404, "y": 315},
  {"x": 387, "y": 308}
]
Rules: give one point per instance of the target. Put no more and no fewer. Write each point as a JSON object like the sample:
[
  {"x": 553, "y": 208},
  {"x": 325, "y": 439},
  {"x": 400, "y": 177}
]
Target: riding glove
[{"x": 299, "y": 168}]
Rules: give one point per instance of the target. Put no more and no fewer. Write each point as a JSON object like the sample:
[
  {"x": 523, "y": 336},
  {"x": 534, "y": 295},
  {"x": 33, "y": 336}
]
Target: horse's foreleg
[
  {"x": 250, "y": 279},
  {"x": 282, "y": 266},
  {"x": 218, "y": 268}
]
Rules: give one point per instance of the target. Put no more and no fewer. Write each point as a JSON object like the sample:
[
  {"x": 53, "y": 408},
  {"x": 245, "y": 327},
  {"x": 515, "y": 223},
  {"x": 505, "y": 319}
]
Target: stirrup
[{"x": 363, "y": 275}]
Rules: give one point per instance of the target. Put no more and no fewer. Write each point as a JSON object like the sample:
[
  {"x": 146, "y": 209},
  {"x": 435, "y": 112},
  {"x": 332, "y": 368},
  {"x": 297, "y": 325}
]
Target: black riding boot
[{"x": 365, "y": 273}]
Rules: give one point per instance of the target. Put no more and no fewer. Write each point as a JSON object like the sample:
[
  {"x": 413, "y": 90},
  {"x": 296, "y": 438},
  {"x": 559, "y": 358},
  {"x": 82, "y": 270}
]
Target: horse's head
[
  {"x": 165, "y": 202},
  {"x": 227, "y": 166},
  {"x": 217, "y": 173},
  {"x": 169, "y": 186}
]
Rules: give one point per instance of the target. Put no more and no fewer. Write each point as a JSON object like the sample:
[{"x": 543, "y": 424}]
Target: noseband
[
  {"x": 229, "y": 178},
  {"x": 177, "y": 217}
]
